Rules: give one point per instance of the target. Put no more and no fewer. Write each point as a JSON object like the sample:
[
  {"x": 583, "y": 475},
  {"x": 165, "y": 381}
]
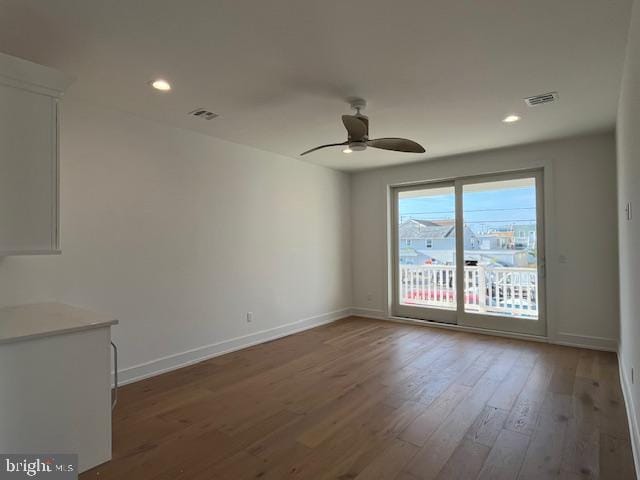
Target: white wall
[
  {"x": 582, "y": 293},
  {"x": 178, "y": 235},
  {"x": 628, "y": 136}
]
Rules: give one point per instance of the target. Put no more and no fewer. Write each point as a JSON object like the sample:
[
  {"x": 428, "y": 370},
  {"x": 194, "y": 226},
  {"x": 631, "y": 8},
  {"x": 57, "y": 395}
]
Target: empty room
[{"x": 319, "y": 240}]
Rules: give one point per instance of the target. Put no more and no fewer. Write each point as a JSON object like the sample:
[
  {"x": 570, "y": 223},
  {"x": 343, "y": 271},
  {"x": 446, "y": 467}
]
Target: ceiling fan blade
[
  {"x": 356, "y": 127},
  {"x": 396, "y": 144},
  {"x": 324, "y": 146}
]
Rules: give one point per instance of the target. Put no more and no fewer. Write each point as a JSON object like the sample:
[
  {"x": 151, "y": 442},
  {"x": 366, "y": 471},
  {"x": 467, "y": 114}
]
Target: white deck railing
[{"x": 493, "y": 290}]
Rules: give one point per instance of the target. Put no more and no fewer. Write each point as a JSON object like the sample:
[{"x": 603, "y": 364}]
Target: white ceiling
[{"x": 443, "y": 73}]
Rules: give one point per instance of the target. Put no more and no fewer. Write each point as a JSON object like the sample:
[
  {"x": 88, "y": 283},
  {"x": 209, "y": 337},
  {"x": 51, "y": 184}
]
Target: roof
[
  {"x": 426, "y": 223},
  {"x": 444, "y": 223},
  {"x": 425, "y": 229}
]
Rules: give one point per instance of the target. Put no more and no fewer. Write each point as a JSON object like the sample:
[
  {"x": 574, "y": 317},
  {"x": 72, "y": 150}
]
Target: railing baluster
[
  {"x": 454, "y": 297},
  {"x": 451, "y": 288},
  {"x": 533, "y": 301},
  {"x": 494, "y": 288},
  {"x": 466, "y": 292},
  {"x": 445, "y": 287},
  {"x": 482, "y": 289},
  {"x": 413, "y": 286},
  {"x": 468, "y": 286}
]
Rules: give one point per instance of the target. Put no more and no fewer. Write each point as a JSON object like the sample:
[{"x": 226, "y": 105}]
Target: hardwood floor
[{"x": 363, "y": 399}]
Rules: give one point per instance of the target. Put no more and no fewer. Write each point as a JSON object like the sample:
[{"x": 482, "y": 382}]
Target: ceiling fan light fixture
[
  {"x": 160, "y": 84},
  {"x": 511, "y": 118},
  {"x": 357, "y": 146}
]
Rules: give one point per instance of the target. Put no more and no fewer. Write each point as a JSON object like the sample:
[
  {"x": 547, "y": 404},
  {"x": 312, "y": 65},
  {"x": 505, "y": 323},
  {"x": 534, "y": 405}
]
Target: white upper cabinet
[{"x": 29, "y": 149}]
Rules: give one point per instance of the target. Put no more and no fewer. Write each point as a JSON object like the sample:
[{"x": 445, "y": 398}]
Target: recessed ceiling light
[
  {"x": 160, "y": 84},
  {"x": 511, "y": 118},
  {"x": 347, "y": 150}
]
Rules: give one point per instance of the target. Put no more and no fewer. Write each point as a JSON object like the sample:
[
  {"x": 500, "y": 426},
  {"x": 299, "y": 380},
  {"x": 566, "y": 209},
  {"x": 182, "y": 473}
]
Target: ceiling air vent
[
  {"x": 541, "y": 99},
  {"x": 204, "y": 114}
]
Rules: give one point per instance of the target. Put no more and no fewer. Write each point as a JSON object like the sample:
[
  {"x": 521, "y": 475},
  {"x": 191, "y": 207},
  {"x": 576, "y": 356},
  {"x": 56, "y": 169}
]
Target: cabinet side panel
[{"x": 55, "y": 396}]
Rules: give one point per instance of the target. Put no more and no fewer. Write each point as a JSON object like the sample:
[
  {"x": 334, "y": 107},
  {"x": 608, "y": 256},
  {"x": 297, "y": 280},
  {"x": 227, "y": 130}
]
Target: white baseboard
[
  {"x": 178, "y": 360},
  {"x": 567, "y": 339},
  {"x": 369, "y": 313},
  {"x": 634, "y": 433},
  {"x": 585, "y": 341}
]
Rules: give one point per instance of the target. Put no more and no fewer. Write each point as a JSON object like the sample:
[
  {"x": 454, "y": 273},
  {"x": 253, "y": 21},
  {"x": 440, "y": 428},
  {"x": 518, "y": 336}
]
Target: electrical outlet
[
  {"x": 249, "y": 317},
  {"x": 369, "y": 297}
]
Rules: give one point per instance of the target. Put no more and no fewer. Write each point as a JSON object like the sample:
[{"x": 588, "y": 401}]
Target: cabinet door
[{"x": 28, "y": 172}]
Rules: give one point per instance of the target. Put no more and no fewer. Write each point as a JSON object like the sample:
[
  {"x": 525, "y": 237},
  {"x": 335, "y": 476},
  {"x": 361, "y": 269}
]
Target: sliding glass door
[
  {"x": 471, "y": 251},
  {"x": 425, "y": 252}
]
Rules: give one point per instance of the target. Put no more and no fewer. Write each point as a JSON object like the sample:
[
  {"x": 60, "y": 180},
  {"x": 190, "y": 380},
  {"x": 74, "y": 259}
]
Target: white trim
[
  {"x": 634, "y": 432},
  {"x": 13, "y": 253},
  {"x": 567, "y": 339},
  {"x": 183, "y": 359},
  {"x": 20, "y": 73},
  {"x": 368, "y": 313},
  {"x": 585, "y": 341}
]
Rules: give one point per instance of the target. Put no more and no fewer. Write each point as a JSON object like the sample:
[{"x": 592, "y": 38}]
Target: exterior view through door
[{"x": 470, "y": 251}]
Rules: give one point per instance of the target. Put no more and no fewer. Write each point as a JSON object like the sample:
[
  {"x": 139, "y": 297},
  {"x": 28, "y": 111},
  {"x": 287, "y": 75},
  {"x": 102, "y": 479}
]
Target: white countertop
[{"x": 24, "y": 322}]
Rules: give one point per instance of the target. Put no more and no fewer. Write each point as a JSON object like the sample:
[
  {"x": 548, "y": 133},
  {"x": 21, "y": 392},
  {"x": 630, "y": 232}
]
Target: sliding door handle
[{"x": 114, "y": 395}]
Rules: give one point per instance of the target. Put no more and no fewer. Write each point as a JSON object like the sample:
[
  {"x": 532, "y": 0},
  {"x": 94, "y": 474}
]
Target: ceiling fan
[{"x": 358, "y": 135}]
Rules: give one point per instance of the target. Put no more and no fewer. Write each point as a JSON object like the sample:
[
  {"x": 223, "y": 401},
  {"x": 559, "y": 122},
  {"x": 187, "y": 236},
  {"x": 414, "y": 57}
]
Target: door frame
[
  {"x": 459, "y": 317},
  {"x": 421, "y": 313},
  {"x": 500, "y": 322}
]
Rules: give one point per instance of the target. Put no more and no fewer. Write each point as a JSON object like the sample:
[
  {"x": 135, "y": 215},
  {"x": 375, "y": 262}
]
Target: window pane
[
  {"x": 427, "y": 248},
  {"x": 500, "y": 251}
]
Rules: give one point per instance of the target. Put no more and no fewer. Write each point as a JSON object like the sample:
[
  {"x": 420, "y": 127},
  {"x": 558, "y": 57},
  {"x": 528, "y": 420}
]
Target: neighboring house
[
  {"x": 525, "y": 236},
  {"x": 500, "y": 257},
  {"x": 491, "y": 242},
  {"x": 425, "y": 241},
  {"x": 498, "y": 238}
]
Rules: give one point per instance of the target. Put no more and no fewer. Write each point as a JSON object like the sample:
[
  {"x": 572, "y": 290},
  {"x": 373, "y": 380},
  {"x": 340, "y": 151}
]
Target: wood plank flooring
[{"x": 364, "y": 399}]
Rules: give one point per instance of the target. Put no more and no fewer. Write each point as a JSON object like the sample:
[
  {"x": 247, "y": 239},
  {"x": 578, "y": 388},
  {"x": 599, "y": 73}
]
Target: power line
[
  {"x": 502, "y": 221},
  {"x": 481, "y": 210},
  {"x": 499, "y": 221},
  {"x": 489, "y": 222}
]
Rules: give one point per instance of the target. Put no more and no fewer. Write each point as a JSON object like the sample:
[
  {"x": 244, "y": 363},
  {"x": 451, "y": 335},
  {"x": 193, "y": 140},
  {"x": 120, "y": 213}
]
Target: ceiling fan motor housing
[{"x": 358, "y": 136}]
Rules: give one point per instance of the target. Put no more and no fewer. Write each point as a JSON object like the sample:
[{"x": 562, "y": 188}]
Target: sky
[{"x": 482, "y": 209}]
